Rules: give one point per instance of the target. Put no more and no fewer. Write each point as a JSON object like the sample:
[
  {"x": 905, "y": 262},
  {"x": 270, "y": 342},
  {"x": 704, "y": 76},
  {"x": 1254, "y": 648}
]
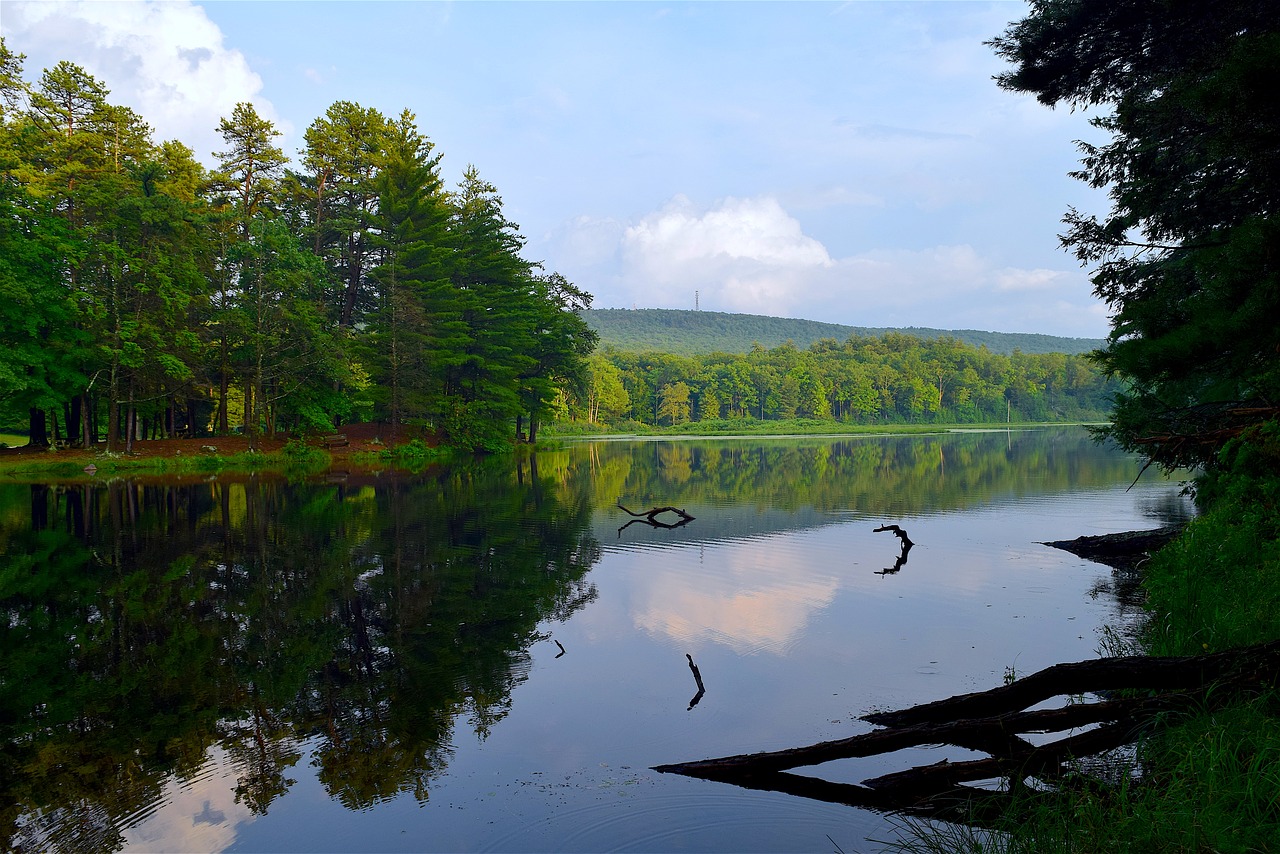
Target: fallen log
[
  {"x": 974, "y": 734},
  {"x": 967, "y": 806},
  {"x": 993, "y": 722},
  {"x": 1119, "y": 551},
  {"x": 1250, "y": 664},
  {"x": 925, "y": 781}
]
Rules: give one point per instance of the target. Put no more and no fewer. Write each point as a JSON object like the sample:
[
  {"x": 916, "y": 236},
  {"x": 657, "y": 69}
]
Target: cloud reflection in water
[{"x": 751, "y": 596}]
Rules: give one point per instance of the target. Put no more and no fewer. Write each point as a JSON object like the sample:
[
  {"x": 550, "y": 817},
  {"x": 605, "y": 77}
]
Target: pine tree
[{"x": 1186, "y": 256}]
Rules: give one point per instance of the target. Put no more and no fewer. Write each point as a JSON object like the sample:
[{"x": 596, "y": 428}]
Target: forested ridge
[
  {"x": 686, "y": 333},
  {"x": 891, "y": 378},
  {"x": 142, "y": 294}
]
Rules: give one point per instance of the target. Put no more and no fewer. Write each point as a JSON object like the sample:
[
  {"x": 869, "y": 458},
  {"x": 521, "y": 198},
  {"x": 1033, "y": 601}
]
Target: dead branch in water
[
  {"x": 993, "y": 722},
  {"x": 897, "y": 532},
  {"x": 649, "y": 517},
  {"x": 697, "y": 678}
]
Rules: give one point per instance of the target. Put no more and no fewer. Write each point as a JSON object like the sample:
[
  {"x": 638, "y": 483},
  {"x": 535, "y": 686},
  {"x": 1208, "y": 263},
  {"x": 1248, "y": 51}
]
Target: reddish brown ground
[{"x": 360, "y": 437}]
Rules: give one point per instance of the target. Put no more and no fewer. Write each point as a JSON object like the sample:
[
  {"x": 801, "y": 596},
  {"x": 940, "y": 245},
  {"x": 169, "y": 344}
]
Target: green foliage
[
  {"x": 688, "y": 333},
  {"x": 1218, "y": 585},
  {"x": 1185, "y": 257},
  {"x": 298, "y": 451},
  {"x": 885, "y": 380},
  {"x": 137, "y": 291}
]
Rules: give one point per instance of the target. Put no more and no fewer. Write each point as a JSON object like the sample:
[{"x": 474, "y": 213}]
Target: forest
[
  {"x": 142, "y": 294},
  {"x": 891, "y": 378}
]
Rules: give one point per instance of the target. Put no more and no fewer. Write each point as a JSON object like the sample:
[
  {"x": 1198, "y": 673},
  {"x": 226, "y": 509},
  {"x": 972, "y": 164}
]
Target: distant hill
[{"x": 695, "y": 332}]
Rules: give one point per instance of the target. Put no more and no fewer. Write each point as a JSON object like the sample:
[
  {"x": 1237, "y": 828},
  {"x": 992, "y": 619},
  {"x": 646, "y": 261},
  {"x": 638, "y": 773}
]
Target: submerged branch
[
  {"x": 649, "y": 517},
  {"x": 993, "y": 722}
]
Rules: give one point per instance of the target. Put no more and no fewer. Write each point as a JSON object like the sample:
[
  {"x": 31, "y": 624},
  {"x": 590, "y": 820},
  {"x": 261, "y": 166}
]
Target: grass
[
  {"x": 413, "y": 455},
  {"x": 294, "y": 458},
  {"x": 12, "y": 440},
  {"x": 1209, "y": 780}
]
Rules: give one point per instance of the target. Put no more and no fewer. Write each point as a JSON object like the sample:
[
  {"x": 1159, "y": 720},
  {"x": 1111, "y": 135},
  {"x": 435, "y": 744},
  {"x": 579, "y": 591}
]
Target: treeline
[
  {"x": 892, "y": 378},
  {"x": 687, "y": 332},
  {"x": 144, "y": 295}
]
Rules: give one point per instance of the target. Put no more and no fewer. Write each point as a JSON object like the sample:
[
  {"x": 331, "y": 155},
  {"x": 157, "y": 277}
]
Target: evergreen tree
[
  {"x": 418, "y": 332},
  {"x": 251, "y": 167},
  {"x": 344, "y": 153},
  {"x": 1186, "y": 256},
  {"x": 562, "y": 341},
  {"x": 496, "y": 297}
]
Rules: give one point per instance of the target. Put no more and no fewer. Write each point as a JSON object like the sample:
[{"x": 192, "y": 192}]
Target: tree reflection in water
[
  {"x": 152, "y": 630},
  {"x": 145, "y": 625}
]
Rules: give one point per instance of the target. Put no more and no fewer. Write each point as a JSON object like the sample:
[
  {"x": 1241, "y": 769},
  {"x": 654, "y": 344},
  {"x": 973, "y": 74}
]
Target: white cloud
[
  {"x": 1013, "y": 279},
  {"x": 753, "y": 229},
  {"x": 751, "y": 256},
  {"x": 745, "y": 255},
  {"x": 584, "y": 241},
  {"x": 166, "y": 60}
]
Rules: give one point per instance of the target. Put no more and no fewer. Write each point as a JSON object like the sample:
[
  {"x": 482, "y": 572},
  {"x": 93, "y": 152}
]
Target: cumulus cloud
[
  {"x": 752, "y": 256},
  {"x": 747, "y": 254},
  {"x": 166, "y": 60}
]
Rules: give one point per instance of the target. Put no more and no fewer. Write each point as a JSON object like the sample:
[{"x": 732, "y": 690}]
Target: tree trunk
[
  {"x": 113, "y": 412},
  {"x": 76, "y": 416},
  {"x": 250, "y": 422},
  {"x": 37, "y": 429},
  {"x": 223, "y": 427}
]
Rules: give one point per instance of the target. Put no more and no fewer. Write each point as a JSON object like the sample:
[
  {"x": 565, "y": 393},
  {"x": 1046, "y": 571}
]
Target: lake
[{"x": 490, "y": 658}]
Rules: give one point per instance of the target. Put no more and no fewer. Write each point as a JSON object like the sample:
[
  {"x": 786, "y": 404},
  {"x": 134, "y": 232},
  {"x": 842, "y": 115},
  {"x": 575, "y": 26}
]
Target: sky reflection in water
[{"x": 776, "y": 591}]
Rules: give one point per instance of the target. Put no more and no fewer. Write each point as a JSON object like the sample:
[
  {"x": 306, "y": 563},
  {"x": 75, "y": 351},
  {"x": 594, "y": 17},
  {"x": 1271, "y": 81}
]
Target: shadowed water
[{"x": 477, "y": 658}]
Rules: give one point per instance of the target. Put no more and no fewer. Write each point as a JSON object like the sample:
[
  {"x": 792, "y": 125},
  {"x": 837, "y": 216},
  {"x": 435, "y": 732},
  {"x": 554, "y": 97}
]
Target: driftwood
[
  {"x": 697, "y": 678},
  {"x": 993, "y": 722},
  {"x": 902, "y": 556},
  {"x": 649, "y": 517},
  {"x": 897, "y": 532}
]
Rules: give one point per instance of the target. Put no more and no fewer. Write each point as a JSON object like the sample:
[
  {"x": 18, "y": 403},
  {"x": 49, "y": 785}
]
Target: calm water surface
[{"x": 479, "y": 659}]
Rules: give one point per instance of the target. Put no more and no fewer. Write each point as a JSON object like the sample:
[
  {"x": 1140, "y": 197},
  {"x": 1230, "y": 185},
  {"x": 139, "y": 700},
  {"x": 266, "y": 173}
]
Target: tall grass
[{"x": 1208, "y": 781}]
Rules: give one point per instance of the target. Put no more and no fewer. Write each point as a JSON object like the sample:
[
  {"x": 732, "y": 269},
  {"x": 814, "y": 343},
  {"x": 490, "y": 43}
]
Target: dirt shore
[{"x": 360, "y": 438}]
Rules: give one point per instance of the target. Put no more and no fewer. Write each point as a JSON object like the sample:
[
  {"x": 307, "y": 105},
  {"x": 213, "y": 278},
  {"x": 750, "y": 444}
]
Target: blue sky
[{"x": 847, "y": 162}]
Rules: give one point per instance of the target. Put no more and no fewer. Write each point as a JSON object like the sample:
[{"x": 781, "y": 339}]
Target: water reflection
[
  {"x": 177, "y": 659},
  {"x": 799, "y": 482},
  {"x": 150, "y": 627},
  {"x": 756, "y": 597}
]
